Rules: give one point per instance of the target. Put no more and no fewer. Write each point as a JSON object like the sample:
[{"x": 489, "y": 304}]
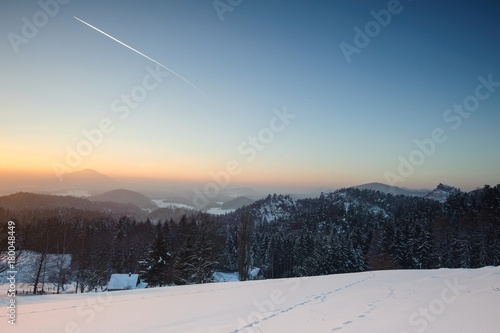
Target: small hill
[
  {"x": 87, "y": 175},
  {"x": 237, "y": 203},
  {"x": 124, "y": 196},
  {"x": 33, "y": 201},
  {"x": 87, "y": 179},
  {"x": 442, "y": 192},
  {"x": 25, "y": 200}
]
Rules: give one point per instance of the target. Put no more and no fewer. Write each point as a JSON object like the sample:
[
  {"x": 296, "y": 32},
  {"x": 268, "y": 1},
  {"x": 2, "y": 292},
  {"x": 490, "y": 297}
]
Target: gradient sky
[{"x": 353, "y": 120}]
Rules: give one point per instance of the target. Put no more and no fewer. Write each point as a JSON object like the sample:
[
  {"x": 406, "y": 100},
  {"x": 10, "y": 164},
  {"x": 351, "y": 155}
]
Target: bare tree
[
  {"x": 40, "y": 264},
  {"x": 61, "y": 263}
]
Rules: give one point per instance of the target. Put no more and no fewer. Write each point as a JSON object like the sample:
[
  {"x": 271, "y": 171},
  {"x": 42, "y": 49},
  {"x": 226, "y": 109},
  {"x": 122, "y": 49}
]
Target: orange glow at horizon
[{"x": 191, "y": 169}]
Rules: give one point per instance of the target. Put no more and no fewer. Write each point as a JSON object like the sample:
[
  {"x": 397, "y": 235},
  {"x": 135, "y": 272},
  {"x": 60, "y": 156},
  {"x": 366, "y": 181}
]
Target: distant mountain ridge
[
  {"x": 87, "y": 179},
  {"x": 86, "y": 182},
  {"x": 394, "y": 190},
  {"x": 374, "y": 199}
]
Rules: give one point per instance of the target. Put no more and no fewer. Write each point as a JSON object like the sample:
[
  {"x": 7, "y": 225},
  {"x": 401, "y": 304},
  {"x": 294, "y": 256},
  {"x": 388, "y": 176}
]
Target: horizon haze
[{"x": 89, "y": 182}]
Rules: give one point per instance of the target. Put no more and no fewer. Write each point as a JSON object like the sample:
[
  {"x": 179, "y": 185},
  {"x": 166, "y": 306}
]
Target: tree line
[
  {"x": 354, "y": 230},
  {"x": 169, "y": 252},
  {"x": 349, "y": 230}
]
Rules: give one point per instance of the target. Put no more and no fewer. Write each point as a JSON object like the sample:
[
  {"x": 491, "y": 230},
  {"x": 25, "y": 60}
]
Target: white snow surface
[
  {"x": 219, "y": 211},
  {"x": 444, "y": 300},
  {"x": 226, "y": 277},
  {"x": 75, "y": 193},
  {"x": 161, "y": 204},
  {"x": 215, "y": 211},
  {"x": 125, "y": 281}
]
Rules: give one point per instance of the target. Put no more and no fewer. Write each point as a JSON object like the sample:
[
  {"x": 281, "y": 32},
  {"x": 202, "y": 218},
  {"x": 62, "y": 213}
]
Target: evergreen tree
[
  {"x": 230, "y": 252},
  {"x": 423, "y": 248},
  {"x": 155, "y": 267},
  {"x": 206, "y": 253},
  {"x": 184, "y": 265}
]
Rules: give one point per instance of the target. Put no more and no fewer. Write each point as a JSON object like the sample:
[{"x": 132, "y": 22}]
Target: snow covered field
[
  {"x": 219, "y": 211},
  {"x": 215, "y": 211},
  {"x": 443, "y": 300},
  {"x": 162, "y": 204}
]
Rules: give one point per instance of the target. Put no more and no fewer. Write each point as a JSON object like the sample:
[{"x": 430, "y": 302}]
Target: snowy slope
[
  {"x": 442, "y": 300},
  {"x": 273, "y": 207}
]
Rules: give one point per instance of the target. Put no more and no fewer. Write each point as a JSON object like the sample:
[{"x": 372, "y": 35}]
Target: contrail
[{"x": 145, "y": 56}]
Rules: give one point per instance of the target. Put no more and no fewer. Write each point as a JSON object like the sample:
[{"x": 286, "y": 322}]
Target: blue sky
[{"x": 353, "y": 120}]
